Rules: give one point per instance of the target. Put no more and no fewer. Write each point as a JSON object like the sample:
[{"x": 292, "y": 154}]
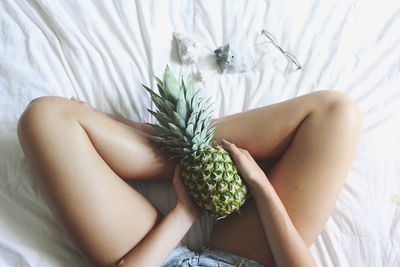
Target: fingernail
[{"x": 225, "y": 142}]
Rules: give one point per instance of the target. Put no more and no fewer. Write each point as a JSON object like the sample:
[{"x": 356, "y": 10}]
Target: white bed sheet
[{"x": 101, "y": 51}]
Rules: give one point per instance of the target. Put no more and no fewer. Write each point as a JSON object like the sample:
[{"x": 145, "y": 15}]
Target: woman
[{"x": 304, "y": 146}]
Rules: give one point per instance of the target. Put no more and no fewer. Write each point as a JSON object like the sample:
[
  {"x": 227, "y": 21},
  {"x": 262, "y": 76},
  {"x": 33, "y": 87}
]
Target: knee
[
  {"x": 38, "y": 111},
  {"x": 40, "y": 99},
  {"x": 46, "y": 101},
  {"x": 339, "y": 105}
]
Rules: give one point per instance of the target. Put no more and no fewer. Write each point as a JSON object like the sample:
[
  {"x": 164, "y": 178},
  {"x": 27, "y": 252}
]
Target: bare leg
[
  {"x": 314, "y": 136},
  {"x": 79, "y": 154}
]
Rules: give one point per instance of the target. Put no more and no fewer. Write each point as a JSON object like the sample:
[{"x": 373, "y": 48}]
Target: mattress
[{"x": 101, "y": 52}]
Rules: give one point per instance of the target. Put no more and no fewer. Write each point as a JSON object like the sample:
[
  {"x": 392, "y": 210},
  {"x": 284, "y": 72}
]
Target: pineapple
[{"x": 184, "y": 130}]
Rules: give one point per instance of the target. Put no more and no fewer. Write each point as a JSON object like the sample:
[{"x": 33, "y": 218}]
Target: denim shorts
[{"x": 183, "y": 257}]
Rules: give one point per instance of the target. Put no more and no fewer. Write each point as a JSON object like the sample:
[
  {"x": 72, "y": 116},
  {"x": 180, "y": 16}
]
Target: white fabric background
[{"x": 101, "y": 51}]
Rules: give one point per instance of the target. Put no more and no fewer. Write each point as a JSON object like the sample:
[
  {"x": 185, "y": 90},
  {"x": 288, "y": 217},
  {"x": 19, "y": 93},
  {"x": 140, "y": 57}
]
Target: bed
[{"x": 101, "y": 52}]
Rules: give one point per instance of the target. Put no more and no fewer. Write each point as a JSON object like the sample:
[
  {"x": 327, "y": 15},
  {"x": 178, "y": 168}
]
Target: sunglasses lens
[
  {"x": 270, "y": 38},
  {"x": 292, "y": 59}
]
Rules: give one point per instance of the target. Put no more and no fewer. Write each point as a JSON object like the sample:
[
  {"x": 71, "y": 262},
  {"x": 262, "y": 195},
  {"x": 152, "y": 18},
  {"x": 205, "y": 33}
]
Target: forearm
[
  {"x": 287, "y": 246},
  {"x": 158, "y": 244}
]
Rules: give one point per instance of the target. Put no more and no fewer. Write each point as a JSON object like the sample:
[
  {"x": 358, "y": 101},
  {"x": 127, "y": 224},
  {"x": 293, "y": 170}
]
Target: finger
[
  {"x": 248, "y": 155},
  {"x": 79, "y": 101},
  {"x": 235, "y": 152},
  {"x": 241, "y": 156},
  {"x": 76, "y": 99},
  {"x": 244, "y": 151},
  {"x": 231, "y": 147}
]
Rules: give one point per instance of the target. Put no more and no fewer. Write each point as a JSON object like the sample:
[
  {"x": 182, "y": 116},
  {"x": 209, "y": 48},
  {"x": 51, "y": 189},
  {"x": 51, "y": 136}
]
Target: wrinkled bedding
[{"x": 101, "y": 52}]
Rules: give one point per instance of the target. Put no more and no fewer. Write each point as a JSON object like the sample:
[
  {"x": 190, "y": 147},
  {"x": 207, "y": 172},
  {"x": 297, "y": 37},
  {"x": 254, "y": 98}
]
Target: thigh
[
  {"x": 313, "y": 138},
  {"x": 266, "y": 131}
]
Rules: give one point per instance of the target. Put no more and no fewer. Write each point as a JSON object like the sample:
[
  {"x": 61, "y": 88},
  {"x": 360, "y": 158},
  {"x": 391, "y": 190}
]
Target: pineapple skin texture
[{"x": 212, "y": 179}]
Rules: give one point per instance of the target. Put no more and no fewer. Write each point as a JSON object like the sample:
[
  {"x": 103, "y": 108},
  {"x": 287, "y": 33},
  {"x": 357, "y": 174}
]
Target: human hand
[
  {"x": 183, "y": 200},
  {"x": 247, "y": 166}
]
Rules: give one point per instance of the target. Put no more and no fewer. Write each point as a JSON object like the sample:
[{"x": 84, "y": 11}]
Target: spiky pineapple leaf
[
  {"x": 161, "y": 118},
  {"x": 193, "y": 100},
  {"x": 198, "y": 124},
  {"x": 196, "y": 139},
  {"x": 161, "y": 91},
  {"x": 208, "y": 139},
  {"x": 181, "y": 107},
  {"x": 161, "y": 130},
  {"x": 188, "y": 86},
  {"x": 206, "y": 125},
  {"x": 179, "y": 120},
  {"x": 157, "y": 139},
  {"x": 173, "y": 142},
  {"x": 160, "y": 85},
  {"x": 180, "y": 75},
  {"x": 192, "y": 119},
  {"x": 210, "y": 130},
  {"x": 171, "y": 86},
  {"x": 159, "y": 81},
  {"x": 195, "y": 147},
  {"x": 190, "y": 130},
  {"x": 203, "y": 135},
  {"x": 203, "y": 116},
  {"x": 209, "y": 105},
  {"x": 176, "y": 130},
  {"x": 162, "y": 104}
]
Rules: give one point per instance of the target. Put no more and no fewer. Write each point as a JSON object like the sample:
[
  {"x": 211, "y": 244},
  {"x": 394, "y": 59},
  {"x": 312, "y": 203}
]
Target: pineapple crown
[{"x": 183, "y": 117}]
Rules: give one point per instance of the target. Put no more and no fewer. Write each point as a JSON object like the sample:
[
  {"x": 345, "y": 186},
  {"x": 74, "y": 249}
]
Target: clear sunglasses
[{"x": 290, "y": 57}]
